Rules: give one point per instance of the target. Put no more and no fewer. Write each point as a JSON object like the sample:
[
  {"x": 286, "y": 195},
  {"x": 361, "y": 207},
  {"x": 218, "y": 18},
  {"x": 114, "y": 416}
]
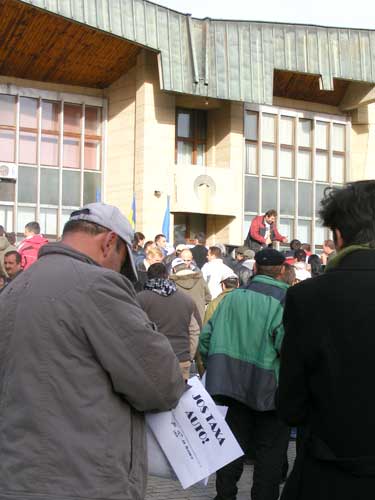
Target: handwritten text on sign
[{"x": 194, "y": 436}]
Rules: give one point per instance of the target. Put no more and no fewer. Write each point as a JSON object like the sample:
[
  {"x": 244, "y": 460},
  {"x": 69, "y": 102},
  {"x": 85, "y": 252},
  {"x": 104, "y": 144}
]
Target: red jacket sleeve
[{"x": 254, "y": 229}]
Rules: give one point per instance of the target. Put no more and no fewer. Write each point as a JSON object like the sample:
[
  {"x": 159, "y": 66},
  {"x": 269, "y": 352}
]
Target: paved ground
[{"x": 163, "y": 489}]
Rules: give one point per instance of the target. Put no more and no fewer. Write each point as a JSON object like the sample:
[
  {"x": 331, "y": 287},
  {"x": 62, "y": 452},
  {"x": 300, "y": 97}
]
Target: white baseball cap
[{"x": 111, "y": 218}]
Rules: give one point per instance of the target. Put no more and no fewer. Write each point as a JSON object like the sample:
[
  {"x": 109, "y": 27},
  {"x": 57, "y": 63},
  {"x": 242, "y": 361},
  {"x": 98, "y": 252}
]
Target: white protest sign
[{"x": 194, "y": 436}]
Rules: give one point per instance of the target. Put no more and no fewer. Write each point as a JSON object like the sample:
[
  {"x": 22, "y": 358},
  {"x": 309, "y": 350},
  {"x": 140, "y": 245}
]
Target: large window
[
  {"x": 191, "y": 136},
  {"x": 291, "y": 157},
  {"x": 57, "y": 148}
]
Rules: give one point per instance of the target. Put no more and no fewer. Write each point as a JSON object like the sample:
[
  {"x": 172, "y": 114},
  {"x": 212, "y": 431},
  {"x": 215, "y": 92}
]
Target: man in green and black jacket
[{"x": 240, "y": 348}]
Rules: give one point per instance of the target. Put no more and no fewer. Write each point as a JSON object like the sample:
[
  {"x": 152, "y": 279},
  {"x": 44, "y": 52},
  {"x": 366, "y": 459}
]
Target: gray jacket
[{"x": 79, "y": 363}]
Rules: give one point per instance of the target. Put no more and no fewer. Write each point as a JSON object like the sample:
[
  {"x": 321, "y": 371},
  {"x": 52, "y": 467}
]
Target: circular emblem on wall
[{"x": 204, "y": 185}]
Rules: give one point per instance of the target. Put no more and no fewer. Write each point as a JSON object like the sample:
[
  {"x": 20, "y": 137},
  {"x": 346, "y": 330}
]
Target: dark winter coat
[
  {"x": 326, "y": 381},
  {"x": 79, "y": 363}
]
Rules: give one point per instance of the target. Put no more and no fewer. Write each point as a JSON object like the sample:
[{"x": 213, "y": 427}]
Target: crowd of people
[{"x": 104, "y": 325}]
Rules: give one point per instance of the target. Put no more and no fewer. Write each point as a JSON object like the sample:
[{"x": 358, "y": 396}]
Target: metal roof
[{"x": 226, "y": 59}]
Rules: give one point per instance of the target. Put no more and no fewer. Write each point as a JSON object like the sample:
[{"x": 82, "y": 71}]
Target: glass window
[
  {"x": 287, "y": 197},
  {"x": 48, "y": 221},
  {"x": 191, "y": 131},
  {"x": 269, "y": 194},
  {"x": 7, "y": 145},
  {"x": 285, "y": 227},
  {"x": 72, "y": 152},
  {"x": 251, "y": 158},
  {"x": 27, "y": 184},
  {"x": 91, "y": 187},
  {"x": 201, "y": 124},
  {"x": 7, "y": 110},
  {"x": 268, "y": 160},
  {"x": 286, "y": 162},
  {"x": 321, "y": 135},
  {"x": 24, "y": 216},
  {"x": 201, "y": 154},
  {"x": 72, "y": 118},
  {"x": 7, "y": 190},
  {"x": 287, "y": 130},
  {"x": 28, "y": 112},
  {"x": 338, "y": 168},
  {"x": 304, "y": 132},
  {"x": 338, "y": 137},
  {"x": 319, "y": 195},
  {"x": 6, "y": 217},
  {"x": 184, "y": 124},
  {"x": 321, "y": 166},
  {"x": 71, "y": 188},
  {"x": 92, "y": 120},
  {"x": 251, "y": 126},
  {"x": 49, "y": 186},
  {"x": 251, "y": 194},
  {"x": 65, "y": 216},
  {"x": 246, "y": 225},
  {"x": 320, "y": 234},
  {"x": 184, "y": 153},
  {"x": 28, "y": 144},
  {"x": 304, "y": 231},
  {"x": 92, "y": 154},
  {"x": 268, "y": 128},
  {"x": 50, "y": 115},
  {"x": 305, "y": 205},
  {"x": 304, "y": 164},
  {"x": 49, "y": 153}
]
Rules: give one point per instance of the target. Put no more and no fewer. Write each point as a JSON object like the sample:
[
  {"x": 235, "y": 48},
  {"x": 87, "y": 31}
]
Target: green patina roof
[{"x": 227, "y": 59}]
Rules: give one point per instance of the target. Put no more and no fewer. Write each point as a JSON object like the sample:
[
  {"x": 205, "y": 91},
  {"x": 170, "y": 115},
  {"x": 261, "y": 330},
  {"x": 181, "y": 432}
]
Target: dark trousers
[{"x": 268, "y": 437}]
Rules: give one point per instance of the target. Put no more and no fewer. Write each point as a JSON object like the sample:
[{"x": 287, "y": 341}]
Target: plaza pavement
[{"x": 163, "y": 489}]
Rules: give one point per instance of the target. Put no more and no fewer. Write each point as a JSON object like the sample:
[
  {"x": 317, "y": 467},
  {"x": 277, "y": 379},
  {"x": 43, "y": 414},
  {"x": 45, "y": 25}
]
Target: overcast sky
[{"x": 344, "y": 13}]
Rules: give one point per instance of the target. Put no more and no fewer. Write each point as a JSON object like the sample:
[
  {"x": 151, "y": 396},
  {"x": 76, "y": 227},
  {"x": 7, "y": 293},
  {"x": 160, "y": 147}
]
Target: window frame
[
  {"x": 195, "y": 141},
  {"x": 60, "y": 98},
  {"x": 313, "y": 149}
]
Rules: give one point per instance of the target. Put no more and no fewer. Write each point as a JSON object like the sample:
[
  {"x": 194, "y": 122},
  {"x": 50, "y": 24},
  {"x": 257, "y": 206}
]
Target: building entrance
[{"x": 186, "y": 226}]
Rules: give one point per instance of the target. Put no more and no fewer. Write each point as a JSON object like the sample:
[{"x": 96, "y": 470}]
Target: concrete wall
[
  {"x": 362, "y": 154},
  {"x": 119, "y": 175}
]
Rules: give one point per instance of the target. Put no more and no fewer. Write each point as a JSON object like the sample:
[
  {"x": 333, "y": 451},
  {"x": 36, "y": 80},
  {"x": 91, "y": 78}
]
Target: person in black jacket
[
  {"x": 327, "y": 358},
  {"x": 200, "y": 250}
]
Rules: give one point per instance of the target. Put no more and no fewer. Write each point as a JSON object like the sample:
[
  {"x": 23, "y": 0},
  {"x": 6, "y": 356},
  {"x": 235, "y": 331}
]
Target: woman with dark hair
[
  {"x": 137, "y": 245},
  {"x": 315, "y": 265}
]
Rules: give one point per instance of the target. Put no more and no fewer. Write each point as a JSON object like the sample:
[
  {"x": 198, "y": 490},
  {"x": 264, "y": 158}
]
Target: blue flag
[
  {"x": 132, "y": 214},
  {"x": 166, "y": 220}
]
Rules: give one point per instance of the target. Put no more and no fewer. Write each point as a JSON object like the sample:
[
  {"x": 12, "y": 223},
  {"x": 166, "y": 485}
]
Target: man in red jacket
[
  {"x": 29, "y": 247},
  {"x": 263, "y": 231}
]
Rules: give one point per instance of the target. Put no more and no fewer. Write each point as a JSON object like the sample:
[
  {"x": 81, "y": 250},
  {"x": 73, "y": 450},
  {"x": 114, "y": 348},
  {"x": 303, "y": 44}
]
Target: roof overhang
[
  {"x": 94, "y": 42},
  {"x": 39, "y": 45}
]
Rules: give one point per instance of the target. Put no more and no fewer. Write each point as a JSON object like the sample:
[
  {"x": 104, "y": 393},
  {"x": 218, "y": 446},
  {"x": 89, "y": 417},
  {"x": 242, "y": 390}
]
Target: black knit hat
[{"x": 269, "y": 257}]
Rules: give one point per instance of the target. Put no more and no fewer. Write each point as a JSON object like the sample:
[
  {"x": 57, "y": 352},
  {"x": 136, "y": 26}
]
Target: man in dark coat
[{"x": 327, "y": 358}]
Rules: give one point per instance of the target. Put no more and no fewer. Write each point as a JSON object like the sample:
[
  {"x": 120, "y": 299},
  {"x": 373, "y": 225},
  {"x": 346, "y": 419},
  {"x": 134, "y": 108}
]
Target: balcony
[{"x": 207, "y": 190}]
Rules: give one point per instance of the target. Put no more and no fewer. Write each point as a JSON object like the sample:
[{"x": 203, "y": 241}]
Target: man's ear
[
  {"x": 337, "y": 237},
  {"x": 107, "y": 242}
]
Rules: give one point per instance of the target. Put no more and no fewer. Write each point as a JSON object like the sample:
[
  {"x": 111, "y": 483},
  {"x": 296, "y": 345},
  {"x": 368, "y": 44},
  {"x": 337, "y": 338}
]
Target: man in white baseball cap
[{"x": 94, "y": 364}]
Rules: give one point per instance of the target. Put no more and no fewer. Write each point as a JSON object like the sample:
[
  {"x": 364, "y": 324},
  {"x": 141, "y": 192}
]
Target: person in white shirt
[
  {"x": 213, "y": 270},
  {"x": 300, "y": 266}
]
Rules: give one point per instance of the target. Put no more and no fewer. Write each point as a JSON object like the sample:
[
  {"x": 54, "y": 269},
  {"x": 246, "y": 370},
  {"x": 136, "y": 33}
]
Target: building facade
[{"x": 124, "y": 99}]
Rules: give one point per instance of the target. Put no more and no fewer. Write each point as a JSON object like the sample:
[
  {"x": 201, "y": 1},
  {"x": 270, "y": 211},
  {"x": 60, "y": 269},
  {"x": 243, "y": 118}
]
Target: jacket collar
[
  {"x": 261, "y": 278},
  {"x": 354, "y": 257},
  {"x": 63, "y": 249}
]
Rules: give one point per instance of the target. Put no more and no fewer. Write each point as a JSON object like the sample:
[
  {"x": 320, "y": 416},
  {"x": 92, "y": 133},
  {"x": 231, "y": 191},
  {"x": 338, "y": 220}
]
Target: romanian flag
[{"x": 132, "y": 214}]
